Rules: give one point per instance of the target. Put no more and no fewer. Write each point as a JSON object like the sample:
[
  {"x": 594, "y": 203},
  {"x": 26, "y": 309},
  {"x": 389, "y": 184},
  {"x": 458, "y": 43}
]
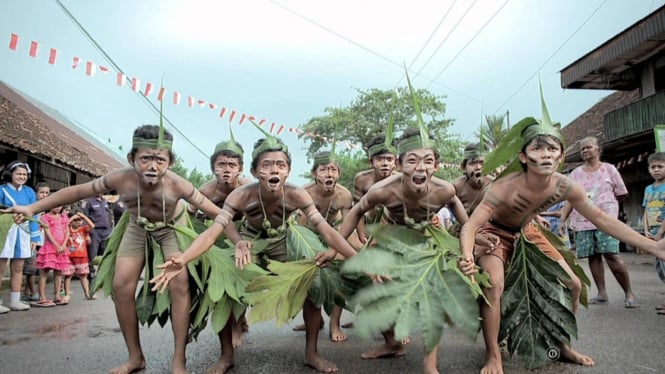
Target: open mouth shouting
[
  {"x": 274, "y": 182},
  {"x": 419, "y": 180},
  {"x": 151, "y": 177},
  {"x": 329, "y": 184}
]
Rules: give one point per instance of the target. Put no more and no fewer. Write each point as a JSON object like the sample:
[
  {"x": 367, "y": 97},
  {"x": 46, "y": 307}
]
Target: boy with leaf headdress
[
  {"x": 411, "y": 199},
  {"x": 333, "y": 201},
  {"x": 381, "y": 156},
  {"x": 145, "y": 233},
  {"x": 530, "y": 307},
  {"x": 266, "y": 205},
  {"x": 470, "y": 186}
]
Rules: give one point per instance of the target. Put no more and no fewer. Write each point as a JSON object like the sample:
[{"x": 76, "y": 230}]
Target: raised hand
[{"x": 170, "y": 269}]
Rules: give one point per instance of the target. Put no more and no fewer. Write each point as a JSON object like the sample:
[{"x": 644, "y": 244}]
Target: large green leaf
[
  {"x": 507, "y": 149},
  {"x": 281, "y": 294},
  {"x": 106, "y": 269},
  {"x": 303, "y": 243},
  {"x": 6, "y": 222},
  {"x": 571, "y": 260},
  {"x": 427, "y": 290},
  {"x": 536, "y": 308}
]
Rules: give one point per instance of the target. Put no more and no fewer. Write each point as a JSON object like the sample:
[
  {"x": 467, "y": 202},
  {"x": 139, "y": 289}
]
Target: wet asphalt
[{"x": 83, "y": 337}]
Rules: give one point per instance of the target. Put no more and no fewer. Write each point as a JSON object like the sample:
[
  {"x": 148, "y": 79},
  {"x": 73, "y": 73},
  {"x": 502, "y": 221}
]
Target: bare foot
[
  {"x": 429, "y": 365},
  {"x": 569, "y": 354},
  {"x": 406, "y": 340},
  {"x": 385, "y": 350},
  {"x": 221, "y": 366},
  {"x": 319, "y": 363},
  {"x": 493, "y": 365},
  {"x": 336, "y": 334},
  {"x": 129, "y": 367}
]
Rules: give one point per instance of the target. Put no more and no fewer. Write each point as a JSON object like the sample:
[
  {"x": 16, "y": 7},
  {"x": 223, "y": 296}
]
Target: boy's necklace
[
  {"x": 142, "y": 221},
  {"x": 408, "y": 221},
  {"x": 266, "y": 225}
]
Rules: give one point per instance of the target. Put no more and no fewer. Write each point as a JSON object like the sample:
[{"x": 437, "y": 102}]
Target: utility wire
[
  {"x": 551, "y": 56},
  {"x": 117, "y": 68},
  {"x": 445, "y": 15},
  {"x": 377, "y": 54},
  {"x": 470, "y": 41},
  {"x": 447, "y": 36}
]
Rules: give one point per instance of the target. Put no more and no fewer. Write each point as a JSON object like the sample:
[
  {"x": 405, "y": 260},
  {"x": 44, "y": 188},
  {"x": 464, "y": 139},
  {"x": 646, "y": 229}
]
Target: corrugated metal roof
[
  {"x": 33, "y": 127},
  {"x": 609, "y": 65}
]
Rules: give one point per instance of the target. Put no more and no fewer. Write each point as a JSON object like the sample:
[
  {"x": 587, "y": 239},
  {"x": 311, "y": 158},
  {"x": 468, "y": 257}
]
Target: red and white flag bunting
[
  {"x": 34, "y": 47},
  {"x": 91, "y": 67},
  {"x": 148, "y": 89},
  {"x": 13, "y": 42},
  {"x": 136, "y": 84},
  {"x": 120, "y": 79}
]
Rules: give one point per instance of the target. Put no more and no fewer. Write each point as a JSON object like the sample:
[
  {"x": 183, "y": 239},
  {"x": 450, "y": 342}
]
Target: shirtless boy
[
  {"x": 266, "y": 205},
  {"x": 333, "y": 201},
  {"x": 509, "y": 205},
  {"x": 151, "y": 193},
  {"x": 471, "y": 186},
  {"x": 412, "y": 196},
  {"x": 381, "y": 158},
  {"x": 226, "y": 163}
]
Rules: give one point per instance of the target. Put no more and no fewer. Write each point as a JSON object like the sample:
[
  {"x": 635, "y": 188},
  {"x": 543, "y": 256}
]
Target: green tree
[
  {"x": 493, "y": 130},
  {"x": 369, "y": 114},
  {"x": 351, "y": 162},
  {"x": 194, "y": 176}
]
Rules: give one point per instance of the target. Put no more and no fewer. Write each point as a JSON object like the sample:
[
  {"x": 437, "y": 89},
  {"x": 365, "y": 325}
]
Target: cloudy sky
[{"x": 287, "y": 60}]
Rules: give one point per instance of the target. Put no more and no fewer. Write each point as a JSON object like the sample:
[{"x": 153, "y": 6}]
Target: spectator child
[
  {"x": 30, "y": 266},
  {"x": 654, "y": 209},
  {"x": 53, "y": 255},
  {"x": 79, "y": 238}
]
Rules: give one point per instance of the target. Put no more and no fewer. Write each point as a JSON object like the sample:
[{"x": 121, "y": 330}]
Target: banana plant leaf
[
  {"x": 536, "y": 309},
  {"x": 427, "y": 290},
  {"x": 571, "y": 260},
  {"x": 106, "y": 269},
  {"x": 280, "y": 295}
]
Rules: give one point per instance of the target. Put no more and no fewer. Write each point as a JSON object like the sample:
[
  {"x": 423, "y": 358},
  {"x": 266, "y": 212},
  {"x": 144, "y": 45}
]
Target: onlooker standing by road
[
  {"x": 97, "y": 209},
  {"x": 79, "y": 237},
  {"x": 605, "y": 187},
  {"x": 53, "y": 255},
  {"x": 654, "y": 209},
  {"x": 21, "y": 239},
  {"x": 30, "y": 266}
]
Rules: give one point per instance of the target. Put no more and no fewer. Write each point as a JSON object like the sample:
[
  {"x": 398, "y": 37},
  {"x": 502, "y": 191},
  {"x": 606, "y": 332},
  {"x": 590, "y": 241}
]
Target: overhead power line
[
  {"x": 377, "y": 54},
  {"x": 550, "y": 57},
  {"x": 108, "y": 58}
]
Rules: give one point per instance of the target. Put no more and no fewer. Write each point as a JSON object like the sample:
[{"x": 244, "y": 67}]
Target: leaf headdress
[
  {"x": 518, "y": 137},
  {"x": 271, "y": 143},
  {"x": 421, "y": 139},
  {"x": 160, "y": 142},
  {"x": 230, "y": 145}
]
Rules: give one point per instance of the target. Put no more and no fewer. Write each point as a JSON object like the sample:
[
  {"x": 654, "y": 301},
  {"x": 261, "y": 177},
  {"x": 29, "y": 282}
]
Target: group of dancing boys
[{"x": 400, "y": 184}]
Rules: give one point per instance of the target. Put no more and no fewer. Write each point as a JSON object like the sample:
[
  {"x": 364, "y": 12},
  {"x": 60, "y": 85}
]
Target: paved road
[{"x": 83, "y": 338}]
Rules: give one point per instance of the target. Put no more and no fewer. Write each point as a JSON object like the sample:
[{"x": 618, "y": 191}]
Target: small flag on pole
[
  {"x": 120, "y": 79},
  {"x": 221, "y": 112},
  {"x": 160, "y": 95},
  {"x": 233, "y": 114},
  {"x": 75, "y": 62},
  {"x": 176, "y": 97},
  {"x": 190, "y": 101},
  {"x": 281, "y": 128},
  {"x": 242, "y": 119}
]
